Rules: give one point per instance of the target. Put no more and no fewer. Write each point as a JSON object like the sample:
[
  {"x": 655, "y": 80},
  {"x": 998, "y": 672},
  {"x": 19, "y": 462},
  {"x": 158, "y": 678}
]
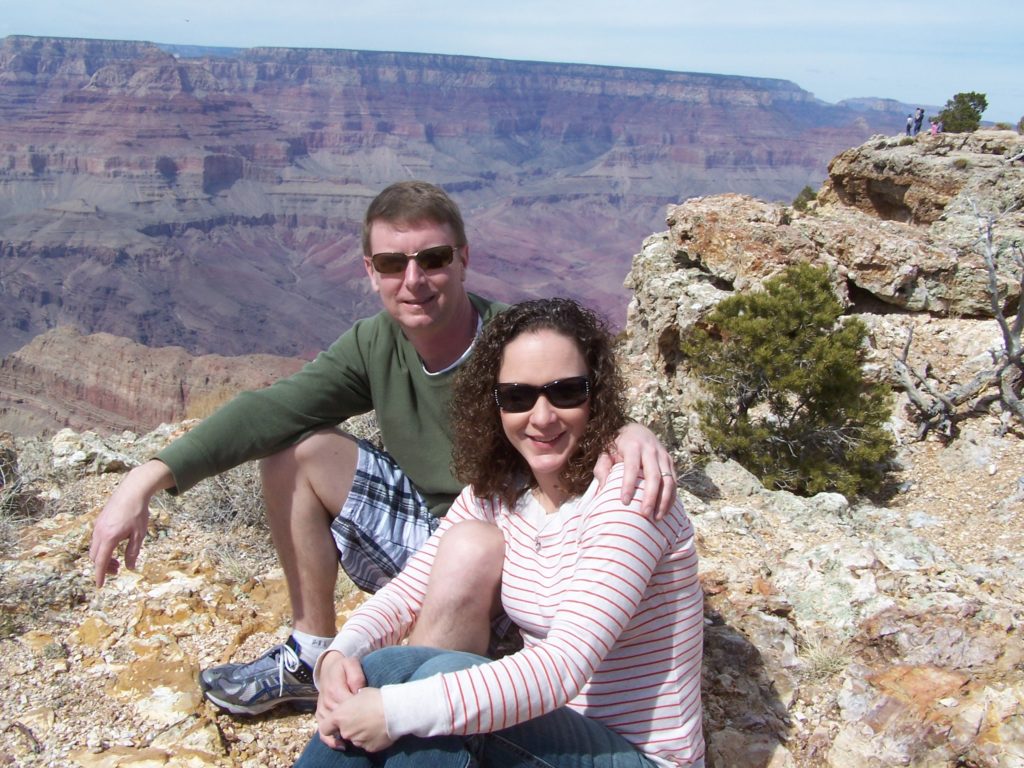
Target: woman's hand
[
  {"x": 357, "y": 720},
  {"x": 642, "y": 455},
  {"x": 340, "y": 679}
]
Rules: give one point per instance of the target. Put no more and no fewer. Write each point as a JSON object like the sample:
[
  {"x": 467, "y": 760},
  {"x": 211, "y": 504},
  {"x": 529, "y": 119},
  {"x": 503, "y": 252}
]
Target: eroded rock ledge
[
  {"x": 895, "y": 268},
  {"x": 109, "y": 383}
]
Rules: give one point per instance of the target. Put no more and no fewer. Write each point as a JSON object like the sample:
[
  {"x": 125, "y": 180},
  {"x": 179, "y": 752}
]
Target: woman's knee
[
  {"x": 402, "y": 663},
  {"x": 396, "y": 664},
  {"x": 475, "y": 549},
  {"x": 448, "y": 661}
]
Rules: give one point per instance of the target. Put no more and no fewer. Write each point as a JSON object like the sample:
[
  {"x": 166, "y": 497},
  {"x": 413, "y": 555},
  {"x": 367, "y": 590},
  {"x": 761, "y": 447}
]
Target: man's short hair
[{"x": 408, "y": 202}]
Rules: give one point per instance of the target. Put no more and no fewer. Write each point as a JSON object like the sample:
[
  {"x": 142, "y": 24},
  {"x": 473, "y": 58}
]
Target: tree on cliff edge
[
  {"x": 962, "y": 113},
  {"x": 787, "y": 396}
]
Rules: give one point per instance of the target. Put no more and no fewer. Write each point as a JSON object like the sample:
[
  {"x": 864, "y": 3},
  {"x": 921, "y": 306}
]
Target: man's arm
[
  {"x": 125, "y": 517},
  {"x": 253, "y": 425},
  {"x": 262, "y": 422},
  {"x": 642, "y": 456}
]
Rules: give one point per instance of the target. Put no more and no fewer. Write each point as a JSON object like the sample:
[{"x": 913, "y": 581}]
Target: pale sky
[{"x": 917, "y": 52}]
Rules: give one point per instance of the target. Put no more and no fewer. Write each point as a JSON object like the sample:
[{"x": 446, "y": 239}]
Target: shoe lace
[{"x": 287, "y": 659}]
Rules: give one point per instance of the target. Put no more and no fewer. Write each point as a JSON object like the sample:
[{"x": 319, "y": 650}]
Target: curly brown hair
[{"x": 481, "y": 455}]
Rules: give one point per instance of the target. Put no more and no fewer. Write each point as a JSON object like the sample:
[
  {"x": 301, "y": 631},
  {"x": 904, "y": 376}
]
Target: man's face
[{"x": 419, "y": 300}]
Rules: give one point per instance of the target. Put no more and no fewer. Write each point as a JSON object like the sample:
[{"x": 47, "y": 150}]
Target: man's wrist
[{"x": 152, "y": 477}]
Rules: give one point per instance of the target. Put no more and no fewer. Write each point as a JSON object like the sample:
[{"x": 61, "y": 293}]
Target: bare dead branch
[
  {"x": 937, "y": 409},
  {"x": 1017, "y": 255},
  {"x": 1009, "y": 387}
]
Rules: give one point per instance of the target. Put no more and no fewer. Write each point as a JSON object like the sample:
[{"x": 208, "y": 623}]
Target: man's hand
[
  {"x": 642, "y": 455},
  {"x": 125, "y": 516},
  {"x": 347, "y": 711}
]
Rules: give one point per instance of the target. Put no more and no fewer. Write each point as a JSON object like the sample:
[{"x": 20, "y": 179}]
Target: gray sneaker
[{"x": 277, "y": 677}]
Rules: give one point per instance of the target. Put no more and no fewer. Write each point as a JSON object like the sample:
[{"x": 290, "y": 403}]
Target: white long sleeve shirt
[{"x": 611, "y": 613}]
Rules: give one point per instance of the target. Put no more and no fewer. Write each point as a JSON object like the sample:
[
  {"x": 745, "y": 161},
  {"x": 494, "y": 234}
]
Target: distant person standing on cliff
[
  {"x": 918, "y": 120},
  {"x": 331, "y": 498},
  {"x": 910, "y": 124}
]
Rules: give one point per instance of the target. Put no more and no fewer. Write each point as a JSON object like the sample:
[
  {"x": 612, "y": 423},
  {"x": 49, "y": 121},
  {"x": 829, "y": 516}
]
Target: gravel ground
[{"x": 106, "y": 678}]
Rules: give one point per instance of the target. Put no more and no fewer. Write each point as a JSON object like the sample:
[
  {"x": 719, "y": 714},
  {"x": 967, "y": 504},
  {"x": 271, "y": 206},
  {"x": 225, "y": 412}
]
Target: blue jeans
[{"x": 559, "y": 739}]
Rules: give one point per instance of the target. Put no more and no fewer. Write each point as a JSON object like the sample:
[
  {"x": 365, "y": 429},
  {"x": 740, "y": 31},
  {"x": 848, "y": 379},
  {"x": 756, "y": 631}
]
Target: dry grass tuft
[
  {"x": 823, "y": 658},
  {"x": 228, "y": 501},
  {"x": 240, "y": 565},
  {"x": 19, "y": 496},
  {"x": 202, "y": 404}
]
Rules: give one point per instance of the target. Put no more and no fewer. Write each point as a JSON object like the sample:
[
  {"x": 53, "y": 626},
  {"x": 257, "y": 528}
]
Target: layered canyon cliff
[
  {"x": 110, "y": 383},
  {"x": 211, "y": 199}
]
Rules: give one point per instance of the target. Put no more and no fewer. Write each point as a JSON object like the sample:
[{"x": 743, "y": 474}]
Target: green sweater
[{"x": 371, "y": 367}]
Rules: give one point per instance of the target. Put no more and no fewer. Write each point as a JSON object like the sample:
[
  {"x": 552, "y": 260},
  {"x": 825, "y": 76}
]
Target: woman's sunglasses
[
  {"x": 429, "y": 258},
  {"x": 563, "y": 393}
]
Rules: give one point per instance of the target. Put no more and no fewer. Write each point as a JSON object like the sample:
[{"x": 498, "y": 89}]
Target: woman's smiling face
[{"x": 546, "y": 436}]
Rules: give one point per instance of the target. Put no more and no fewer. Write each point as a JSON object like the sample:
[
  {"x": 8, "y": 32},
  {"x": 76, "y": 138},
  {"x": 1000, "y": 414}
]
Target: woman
[{"x": 607, "y": 600}]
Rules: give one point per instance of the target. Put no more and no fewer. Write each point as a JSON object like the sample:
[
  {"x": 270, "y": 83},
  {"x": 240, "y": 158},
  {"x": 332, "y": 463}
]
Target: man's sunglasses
[
  {"x": 429, "y": 258},
  {"x": 563, "y": 393}
]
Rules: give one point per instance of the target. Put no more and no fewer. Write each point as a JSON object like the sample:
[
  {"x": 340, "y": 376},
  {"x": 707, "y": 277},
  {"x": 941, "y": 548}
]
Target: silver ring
[{"x": 667, "y": 474}]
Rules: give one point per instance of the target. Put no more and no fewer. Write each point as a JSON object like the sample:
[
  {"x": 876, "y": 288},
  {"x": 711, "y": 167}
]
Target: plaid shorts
[{"x": 384, "y": 520}]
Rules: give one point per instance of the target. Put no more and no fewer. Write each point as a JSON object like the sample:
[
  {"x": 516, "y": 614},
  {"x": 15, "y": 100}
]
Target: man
[{"x": 331, "y": 498}]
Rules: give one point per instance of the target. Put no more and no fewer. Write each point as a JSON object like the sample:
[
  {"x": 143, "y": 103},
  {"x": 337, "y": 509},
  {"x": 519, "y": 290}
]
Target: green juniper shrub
[
  {"x": 787, "y": 397},
  {"x": 806, "y": 195},
  {"x": 962, "y": 113}
]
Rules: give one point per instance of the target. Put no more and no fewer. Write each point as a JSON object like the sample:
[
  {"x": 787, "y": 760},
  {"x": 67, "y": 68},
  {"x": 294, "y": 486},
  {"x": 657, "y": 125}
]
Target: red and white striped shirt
[{"x": 612, "y": 618}]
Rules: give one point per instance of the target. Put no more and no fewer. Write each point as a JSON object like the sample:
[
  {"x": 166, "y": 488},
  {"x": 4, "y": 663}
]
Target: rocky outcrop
[
  {"x": 895, "y": 220},
  {"x": 927, "y": 179},
  {"x": 212, "y": 199},
  {"x": 845, "y": 633},
  {"x": 107, "y": 383},
  {"x": 910, "y": 274},
  {"x": 741, "y": 241}
]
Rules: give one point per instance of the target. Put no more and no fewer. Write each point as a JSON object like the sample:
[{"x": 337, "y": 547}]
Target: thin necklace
[{"x": 548, "y": 517}]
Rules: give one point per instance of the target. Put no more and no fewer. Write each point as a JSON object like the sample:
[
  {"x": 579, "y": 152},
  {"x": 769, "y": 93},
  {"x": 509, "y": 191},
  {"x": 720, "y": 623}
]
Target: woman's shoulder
[
  {"x": 471, "y": 505},
  {"x": 608, "y": 497}
]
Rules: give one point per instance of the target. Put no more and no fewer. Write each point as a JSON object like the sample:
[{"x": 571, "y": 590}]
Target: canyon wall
[
  {"x": 212, "y": 199},
  {"x": 108, "y": 384},
  {"x": 895, "y": 224}
]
